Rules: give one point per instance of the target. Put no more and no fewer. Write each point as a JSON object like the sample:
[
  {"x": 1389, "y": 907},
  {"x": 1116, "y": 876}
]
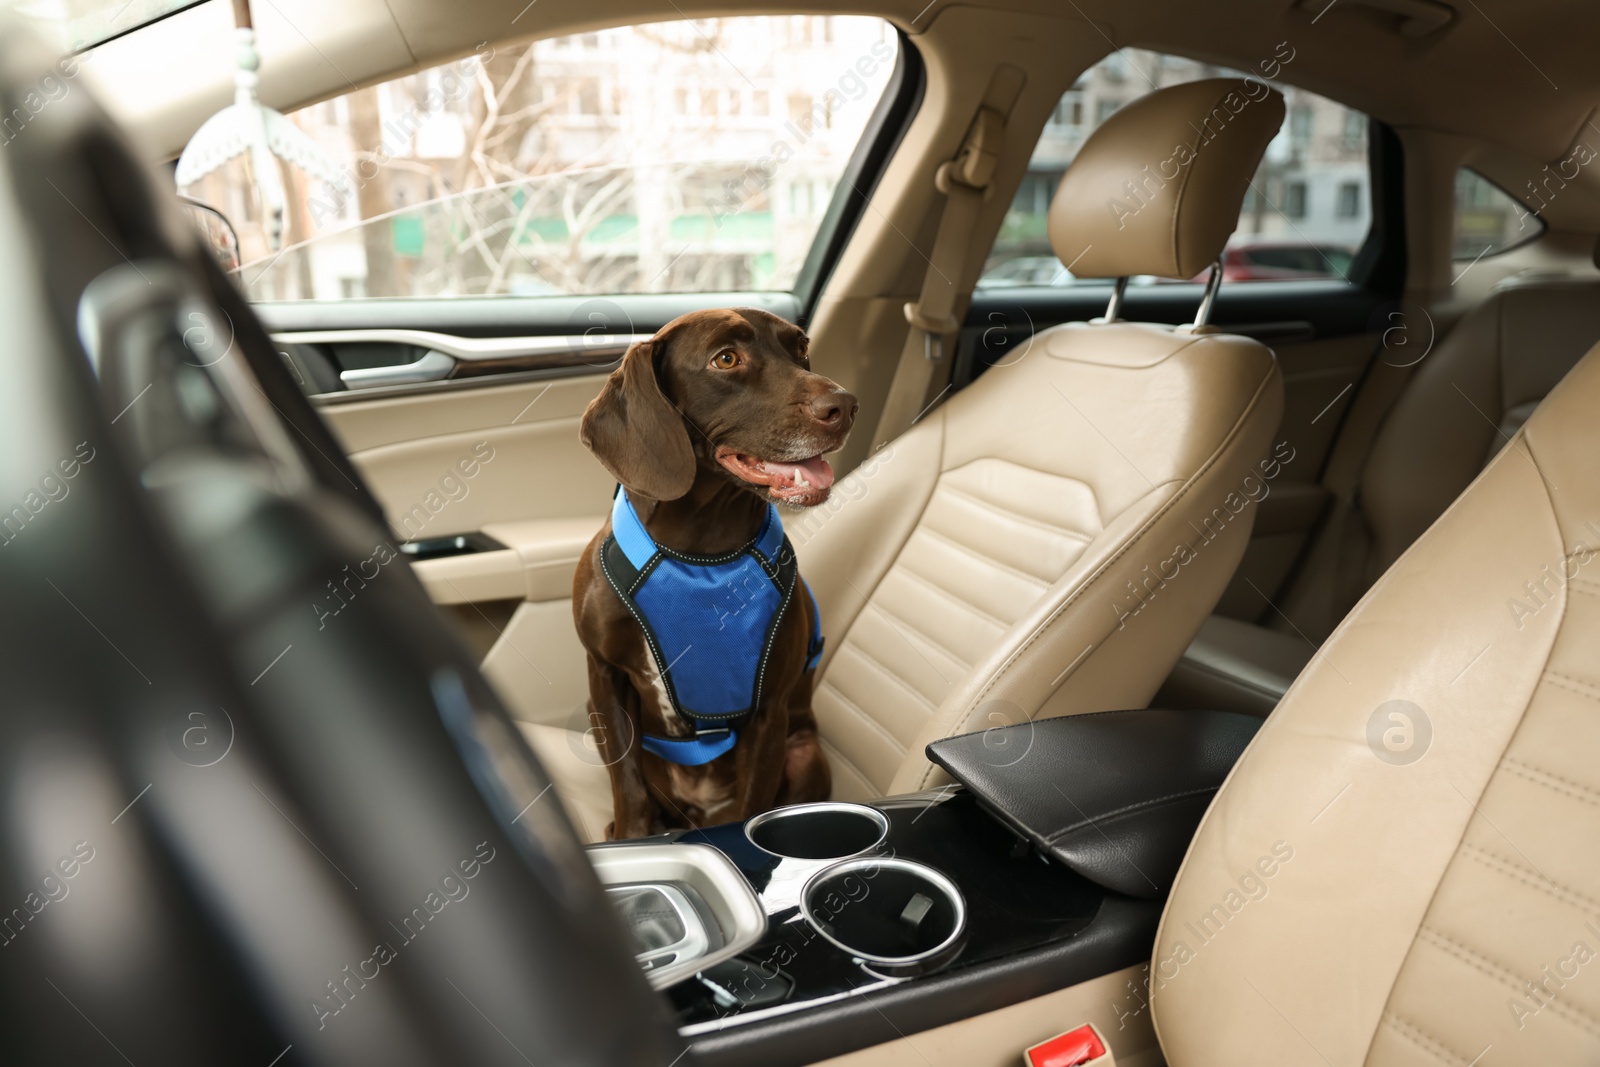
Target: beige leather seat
[
  {"x": 1402, "y": 868},
  {"x": 1047, "y": 541},
  {"x": 1464, "y": 401}
]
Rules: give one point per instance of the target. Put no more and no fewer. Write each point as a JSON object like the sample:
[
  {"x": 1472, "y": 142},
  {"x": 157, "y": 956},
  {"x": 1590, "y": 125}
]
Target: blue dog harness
[{"x": 709, "y": 621}]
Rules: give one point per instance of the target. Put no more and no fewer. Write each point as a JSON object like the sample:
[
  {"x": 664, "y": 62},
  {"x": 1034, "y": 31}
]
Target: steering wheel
[{"x": 258, "y": 804}]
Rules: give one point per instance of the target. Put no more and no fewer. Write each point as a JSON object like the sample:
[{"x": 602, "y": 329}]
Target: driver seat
[
  {"x": 1426, "y": 799},
  {"x": 1049, "y": 540}
]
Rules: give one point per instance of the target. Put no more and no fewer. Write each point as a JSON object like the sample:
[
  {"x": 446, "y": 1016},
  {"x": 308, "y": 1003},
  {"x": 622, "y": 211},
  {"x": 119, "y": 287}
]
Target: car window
[
  {"x": 689, "y": 156},
  {"x": 1304, "y": 217},
  {"x": 1490, "y": 220}
]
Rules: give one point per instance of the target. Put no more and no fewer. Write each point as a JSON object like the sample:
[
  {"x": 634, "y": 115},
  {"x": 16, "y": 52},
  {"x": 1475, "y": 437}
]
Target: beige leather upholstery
[
  {"x": 982, "y": 567},
  {"x": 985, "y": 568},
  {"x": 1156, "y": 188},
  {"x": 1465, "y": 400},
  {"x": 1114, "y": 1003},
  {"x": 1047, "y": 541},
  {"x": 1439, "y": 903}
]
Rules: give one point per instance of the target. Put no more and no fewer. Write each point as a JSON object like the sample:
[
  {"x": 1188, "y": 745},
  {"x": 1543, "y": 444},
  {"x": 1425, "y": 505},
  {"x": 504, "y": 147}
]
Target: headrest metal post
[
  {"x": 1203, "y": 316},
  {"x": 1114, "y": 308}
]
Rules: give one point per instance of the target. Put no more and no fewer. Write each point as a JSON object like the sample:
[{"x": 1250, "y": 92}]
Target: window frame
[
  {"x": 1455, "y": 218},
  {"x": 880, "y": 140}
]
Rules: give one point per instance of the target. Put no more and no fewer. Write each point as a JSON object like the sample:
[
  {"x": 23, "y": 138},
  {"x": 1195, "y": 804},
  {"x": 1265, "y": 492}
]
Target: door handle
[{"x": 430, "y": 368}]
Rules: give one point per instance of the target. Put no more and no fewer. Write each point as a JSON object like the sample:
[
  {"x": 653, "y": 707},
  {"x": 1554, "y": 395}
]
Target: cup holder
[
  {"x": 898, "y": 917},
  {"x": 818, "y": 831}
]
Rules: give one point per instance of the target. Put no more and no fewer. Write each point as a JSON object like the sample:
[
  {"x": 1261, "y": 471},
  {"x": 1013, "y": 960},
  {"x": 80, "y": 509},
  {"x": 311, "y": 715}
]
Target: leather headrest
[{"x": 1158, "y": 187}]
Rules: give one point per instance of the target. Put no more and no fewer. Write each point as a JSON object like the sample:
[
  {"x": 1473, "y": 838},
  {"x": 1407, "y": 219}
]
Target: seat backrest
[
  {"x": 1019, "y": 549},
  {"x": 1048, "y": 541},
  {"x": 1466, "y": 400},
  {"x": 1402, "y": 867}
]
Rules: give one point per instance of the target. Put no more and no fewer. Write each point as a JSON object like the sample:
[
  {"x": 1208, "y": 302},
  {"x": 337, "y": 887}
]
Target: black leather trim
[
  {"x": 1116, "y": 796},
  {"x": 1122, "y": 934}
]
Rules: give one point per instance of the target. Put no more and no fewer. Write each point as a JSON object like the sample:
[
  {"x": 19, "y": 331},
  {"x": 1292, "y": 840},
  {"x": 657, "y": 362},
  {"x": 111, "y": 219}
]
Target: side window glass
[
  {"x": 1306, "y": 214},
  {"x": 1490, "y": 220},
  {"x": 691, "y": 156}
]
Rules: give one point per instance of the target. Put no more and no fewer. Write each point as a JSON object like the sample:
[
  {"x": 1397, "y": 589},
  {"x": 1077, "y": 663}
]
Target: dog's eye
[{"x": 727, "y": 359}]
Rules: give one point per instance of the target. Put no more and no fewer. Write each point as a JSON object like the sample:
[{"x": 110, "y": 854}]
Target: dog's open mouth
[{"x": 802, "y": 483}]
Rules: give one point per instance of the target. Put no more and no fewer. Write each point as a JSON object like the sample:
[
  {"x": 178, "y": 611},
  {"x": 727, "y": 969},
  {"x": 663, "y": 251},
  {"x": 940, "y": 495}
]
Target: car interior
[{"x": 1209, "y": 662}]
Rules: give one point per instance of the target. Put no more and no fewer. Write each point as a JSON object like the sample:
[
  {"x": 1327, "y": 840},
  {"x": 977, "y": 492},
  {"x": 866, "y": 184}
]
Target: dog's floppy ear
[{"x": 636, "y": 433}]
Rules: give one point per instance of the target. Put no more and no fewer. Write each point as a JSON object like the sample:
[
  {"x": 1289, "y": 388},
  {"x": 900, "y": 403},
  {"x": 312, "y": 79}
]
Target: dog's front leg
[
  {"x": 759, "y": 758},
  {"x": 615, "y": 720},
  {"x": 806, "y": 776}
]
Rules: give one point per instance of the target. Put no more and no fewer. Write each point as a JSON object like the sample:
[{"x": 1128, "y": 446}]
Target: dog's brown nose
[{"x": 835, "y": 409}]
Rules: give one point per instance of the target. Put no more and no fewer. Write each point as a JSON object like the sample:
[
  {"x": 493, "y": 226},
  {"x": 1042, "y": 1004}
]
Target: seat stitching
[
  {"x": 1065, "y": 531},
  {"x": 899, "y": 621},
  {"x": 1536, "y": 775},
  {"x": 1080, "y": 715},
  {"x": 1566, "y": 894},
  {"x": 1461, "y": 842},
  {"x": 1127, "y": 546},
  {"x": 936, "y": 419},
  {"x": 1479, "y": 962},
  {"x": 851, "y": 705},
  {"x": 834, "y": 752},
  {"x": 1422, "y": 1039},
  {"x": 937, "y": 588},
  {"x": 1042, "y": 583},
  {"x": 883, "y": 669},
  {"x": 1128, "y": 809},
  {"x": 1573, "y": 685}
]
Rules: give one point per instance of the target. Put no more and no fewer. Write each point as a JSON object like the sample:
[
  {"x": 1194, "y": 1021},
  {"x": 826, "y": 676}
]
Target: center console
[{"x": 813, "y": 930}]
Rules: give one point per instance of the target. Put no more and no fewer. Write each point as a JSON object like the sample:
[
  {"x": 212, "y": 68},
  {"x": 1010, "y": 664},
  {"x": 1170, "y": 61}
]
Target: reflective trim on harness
[{"x": 709, "y": 623}]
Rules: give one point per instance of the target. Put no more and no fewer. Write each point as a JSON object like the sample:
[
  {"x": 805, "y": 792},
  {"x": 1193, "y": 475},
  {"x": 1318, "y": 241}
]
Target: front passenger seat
[{"x": 1048, "y": 541}]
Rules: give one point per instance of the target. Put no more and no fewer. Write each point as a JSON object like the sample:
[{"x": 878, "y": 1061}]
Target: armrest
[
  {"x": 549, "y": 550},
  {"x": 1115, "y": 795},
  {"x": 537, "y": 563}
]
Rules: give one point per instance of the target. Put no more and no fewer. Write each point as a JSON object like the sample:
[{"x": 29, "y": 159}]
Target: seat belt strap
[{"x": 964, "y": 181}]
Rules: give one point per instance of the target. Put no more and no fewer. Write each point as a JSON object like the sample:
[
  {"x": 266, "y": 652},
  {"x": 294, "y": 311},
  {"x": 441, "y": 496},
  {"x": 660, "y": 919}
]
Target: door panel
[
  {"x": 520, "y": 443},
  {"x": 534, "y": 488}
]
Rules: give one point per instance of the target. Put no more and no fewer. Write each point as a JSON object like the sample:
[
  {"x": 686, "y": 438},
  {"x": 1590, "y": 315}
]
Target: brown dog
[{"x": 706, "y": 425}]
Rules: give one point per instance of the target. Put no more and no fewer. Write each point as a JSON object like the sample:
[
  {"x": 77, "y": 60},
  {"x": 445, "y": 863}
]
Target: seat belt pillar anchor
[{"x": 980, "y": 151}]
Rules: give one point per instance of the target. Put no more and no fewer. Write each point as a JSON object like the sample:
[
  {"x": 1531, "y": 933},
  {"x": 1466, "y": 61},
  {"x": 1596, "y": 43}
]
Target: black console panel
[
  {"x": 1020, "y": 925},
  {"x": 1048, "y": 866}
]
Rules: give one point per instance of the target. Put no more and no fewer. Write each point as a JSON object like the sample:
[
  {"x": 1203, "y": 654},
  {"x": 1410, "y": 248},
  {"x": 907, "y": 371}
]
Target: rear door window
[{"x": 1490, "y": 220}]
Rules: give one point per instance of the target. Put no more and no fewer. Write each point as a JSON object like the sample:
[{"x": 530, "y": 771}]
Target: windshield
[{"x": 78, "y": 24}]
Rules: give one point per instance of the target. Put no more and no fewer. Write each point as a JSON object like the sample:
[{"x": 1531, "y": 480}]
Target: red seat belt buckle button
[{"x": 1075, "y": 1048}]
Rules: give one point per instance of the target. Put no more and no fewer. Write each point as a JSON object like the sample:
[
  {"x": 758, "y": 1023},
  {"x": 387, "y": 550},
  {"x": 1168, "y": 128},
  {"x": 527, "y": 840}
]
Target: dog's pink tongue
[{"x": 818, "y": 473}]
